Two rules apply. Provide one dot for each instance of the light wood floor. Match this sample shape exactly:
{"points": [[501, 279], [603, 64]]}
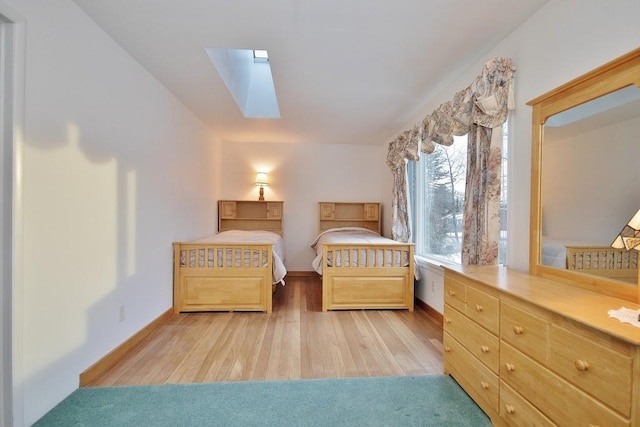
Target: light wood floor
{"points": [[296, 341]]}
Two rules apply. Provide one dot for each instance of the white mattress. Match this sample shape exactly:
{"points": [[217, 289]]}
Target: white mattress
{"points": [[258, 236]]}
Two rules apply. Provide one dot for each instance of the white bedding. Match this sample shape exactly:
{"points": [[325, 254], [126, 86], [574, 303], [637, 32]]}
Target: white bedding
{"points": [[554, 253], [351, 235], [258, 236]]}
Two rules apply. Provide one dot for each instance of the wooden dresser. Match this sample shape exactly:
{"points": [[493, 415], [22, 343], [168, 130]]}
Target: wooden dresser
{"points": [[535, 352]]}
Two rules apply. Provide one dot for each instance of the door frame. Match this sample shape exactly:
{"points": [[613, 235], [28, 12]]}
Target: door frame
{"points": [[12, 79]]}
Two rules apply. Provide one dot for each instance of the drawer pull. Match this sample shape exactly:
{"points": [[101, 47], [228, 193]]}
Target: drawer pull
{"points": [[447, 349], [479, 307], [582, 365], [510, 367], [452, 293], [484, 385], [447, 319], [510, 409], [484, 349], [518, 330]]}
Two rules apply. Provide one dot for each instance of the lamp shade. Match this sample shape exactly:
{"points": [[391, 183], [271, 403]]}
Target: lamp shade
{"points": [[262, 178], [629, 237]]}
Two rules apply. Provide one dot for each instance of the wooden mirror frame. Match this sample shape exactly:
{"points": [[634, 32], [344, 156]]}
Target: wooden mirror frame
{"points": [[621, 72]]}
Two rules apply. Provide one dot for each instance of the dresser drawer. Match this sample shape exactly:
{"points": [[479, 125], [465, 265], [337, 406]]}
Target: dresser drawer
{"points": [[483, 309], [562, 402], [454, 293], [524, 331], [601, 371], [516, 411], [476, 379], [477, 340]]}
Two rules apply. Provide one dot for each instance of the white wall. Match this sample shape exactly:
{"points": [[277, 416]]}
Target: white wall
{"points": [[114, 170], [430, 286], [590, 200], [302, 175]]}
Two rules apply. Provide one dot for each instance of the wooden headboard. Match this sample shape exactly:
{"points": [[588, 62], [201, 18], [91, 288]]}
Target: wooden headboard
{"points": [[349, 214], [250, 215]]}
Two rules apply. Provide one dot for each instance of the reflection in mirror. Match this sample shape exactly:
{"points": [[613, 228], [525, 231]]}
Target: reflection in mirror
{"points": [[584, 179], [589, 184]]}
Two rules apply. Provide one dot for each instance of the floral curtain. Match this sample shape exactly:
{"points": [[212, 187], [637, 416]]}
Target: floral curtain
{"points": [[481, 212], [405, 148], [475, 110]]}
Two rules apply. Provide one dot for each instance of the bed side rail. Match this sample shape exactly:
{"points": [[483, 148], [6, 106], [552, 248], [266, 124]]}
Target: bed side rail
{"points": [[345, 255], [222, 255]]}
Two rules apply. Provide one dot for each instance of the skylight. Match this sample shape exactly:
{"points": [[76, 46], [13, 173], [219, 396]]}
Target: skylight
{"points": [[260, 55], [247, 75]]}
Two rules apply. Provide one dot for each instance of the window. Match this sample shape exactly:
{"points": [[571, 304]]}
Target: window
{"points": [[247, 75], [436, 185], [260, 55]]}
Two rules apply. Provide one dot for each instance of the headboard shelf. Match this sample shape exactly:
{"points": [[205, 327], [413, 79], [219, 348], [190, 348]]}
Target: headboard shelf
{"points": [[250, 215], [350, 214]]}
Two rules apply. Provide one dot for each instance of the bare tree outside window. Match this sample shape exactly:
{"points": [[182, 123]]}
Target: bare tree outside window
{"points": [[444, 176]]}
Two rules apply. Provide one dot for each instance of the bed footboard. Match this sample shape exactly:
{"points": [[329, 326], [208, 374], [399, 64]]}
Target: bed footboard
{"points": [[222, 277], [369, 276], [604, 261]]}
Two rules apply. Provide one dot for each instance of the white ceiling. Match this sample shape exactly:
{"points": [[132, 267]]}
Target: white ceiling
{"points": [[345, 71]]}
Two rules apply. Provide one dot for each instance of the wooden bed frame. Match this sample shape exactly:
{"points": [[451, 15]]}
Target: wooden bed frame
{"points": [[604, 261], [364, 287], [228, 277]]}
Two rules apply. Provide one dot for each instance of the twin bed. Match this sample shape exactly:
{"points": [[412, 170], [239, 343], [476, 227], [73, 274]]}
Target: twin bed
{"points": [[239, 268], [236, 269], [360, 269]]}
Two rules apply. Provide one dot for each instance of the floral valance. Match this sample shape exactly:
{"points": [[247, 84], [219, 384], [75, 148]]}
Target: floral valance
{"points": [[486, 102]]}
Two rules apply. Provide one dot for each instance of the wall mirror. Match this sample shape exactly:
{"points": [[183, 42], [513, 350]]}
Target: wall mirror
{"points": [[585, 179]]}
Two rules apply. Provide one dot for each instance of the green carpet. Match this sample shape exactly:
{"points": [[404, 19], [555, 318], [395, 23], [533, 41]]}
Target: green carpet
{"points": [[382, 401]]}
